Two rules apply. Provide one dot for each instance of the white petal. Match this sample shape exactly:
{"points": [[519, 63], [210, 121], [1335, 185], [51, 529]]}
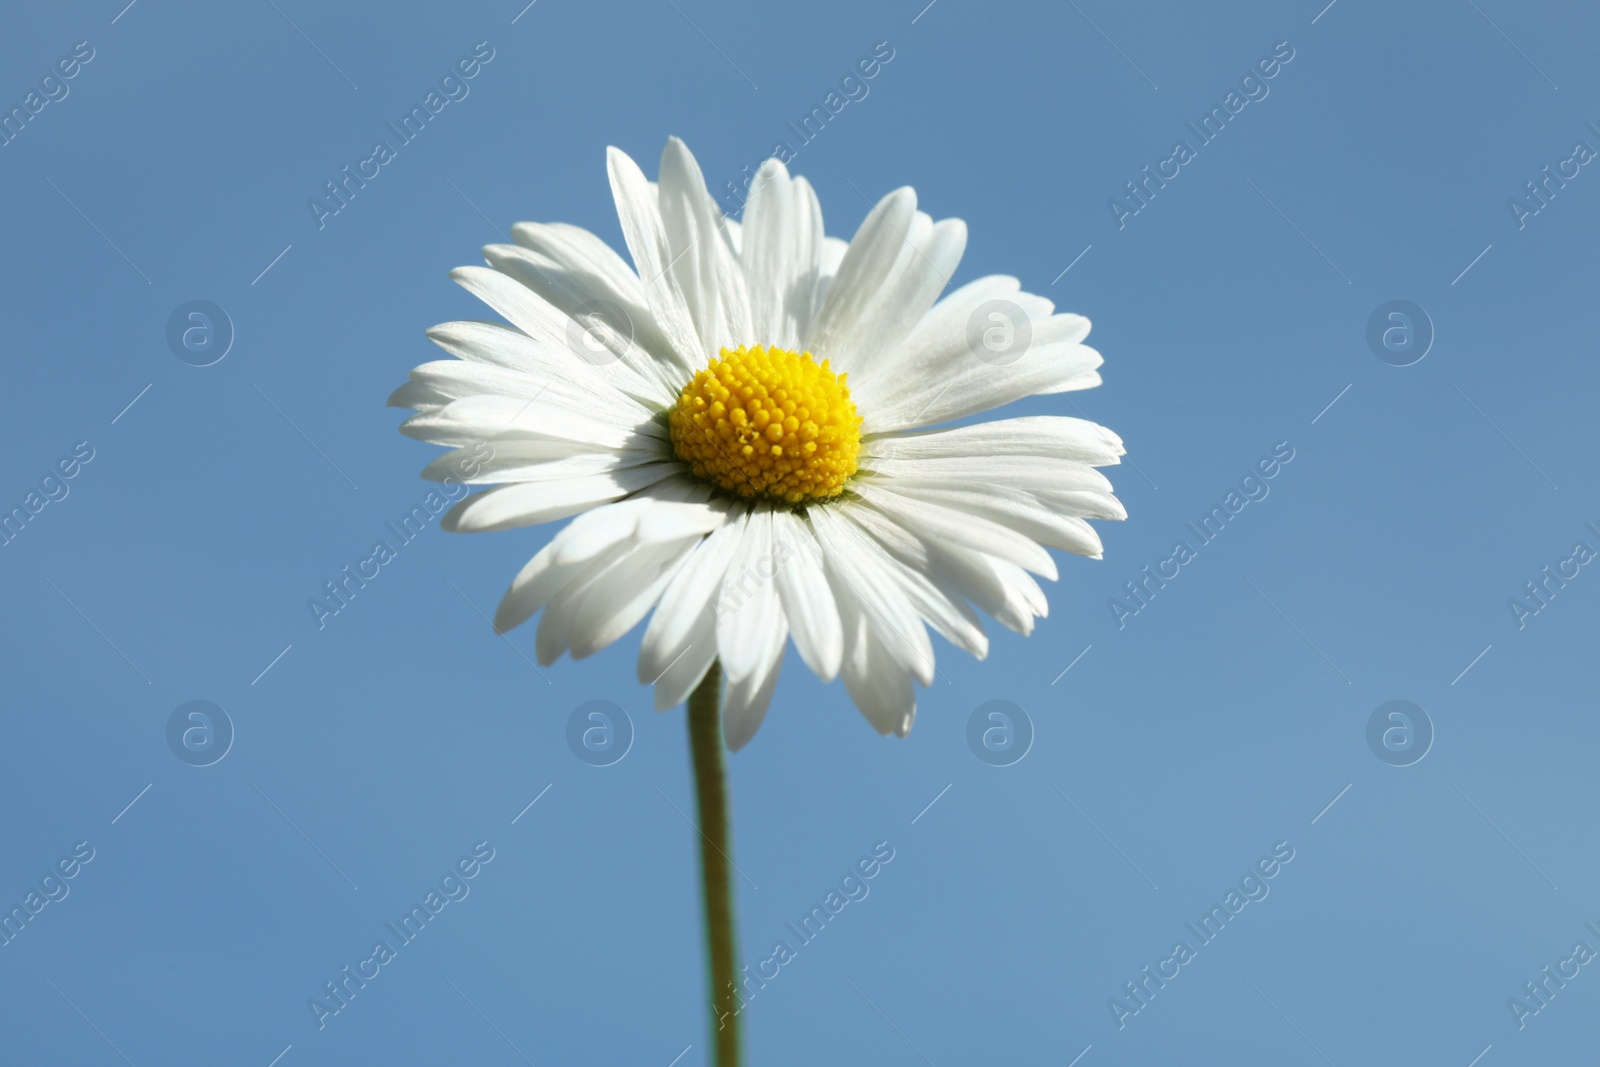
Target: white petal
{"points": [[490, 462], [674, 509], [576, 465], [937, 523], [590, 265], [690, 593], [870, 259], [502, 346], [781, 255], [1017, 472], [876, 590], [880, 687], [938, 604], [418, 397], [456, 379], [833, 250], [1045, 436], [607, 601], [748, 608], [1084, 505], [950, 366], [558, 414], [1059, 486], [671, 510], [928, 257], [1011, 508], [701, 255], [490, 346], [971, 386], [679, 678], [806, 596], [530, 503], [1002, 589], [944, 334], [625, 330], [745, 702], [539, 580], [640, 215], [553, 331]]}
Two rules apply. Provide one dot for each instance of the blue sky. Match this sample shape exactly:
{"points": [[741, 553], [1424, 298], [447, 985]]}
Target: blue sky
{"points": [[1178, 751]]}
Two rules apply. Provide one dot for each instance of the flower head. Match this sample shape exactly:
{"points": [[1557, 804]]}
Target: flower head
{"points": [[740, 423]]}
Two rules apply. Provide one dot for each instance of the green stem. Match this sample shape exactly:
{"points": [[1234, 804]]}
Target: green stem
{"points": [[705, 749]]}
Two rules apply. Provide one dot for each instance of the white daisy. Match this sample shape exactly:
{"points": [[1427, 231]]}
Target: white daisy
{"points": [[739, 423]]}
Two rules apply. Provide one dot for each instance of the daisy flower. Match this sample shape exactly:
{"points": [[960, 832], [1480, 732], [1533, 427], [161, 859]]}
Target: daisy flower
{"points": [[742, 423]]}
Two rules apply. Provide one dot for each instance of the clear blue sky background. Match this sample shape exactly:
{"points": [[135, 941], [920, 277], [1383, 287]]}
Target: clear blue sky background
{"points": [[1177, 751]]}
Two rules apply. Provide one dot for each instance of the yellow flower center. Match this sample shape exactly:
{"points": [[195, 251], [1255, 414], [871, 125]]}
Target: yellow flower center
{"points": [[767, 422]]}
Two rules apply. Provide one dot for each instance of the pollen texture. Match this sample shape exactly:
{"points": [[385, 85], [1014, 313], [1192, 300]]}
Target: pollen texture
{"points": [[767, 423]]}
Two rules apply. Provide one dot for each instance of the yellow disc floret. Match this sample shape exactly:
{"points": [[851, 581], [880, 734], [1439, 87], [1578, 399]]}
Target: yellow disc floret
{"points": [[768, 423]]}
